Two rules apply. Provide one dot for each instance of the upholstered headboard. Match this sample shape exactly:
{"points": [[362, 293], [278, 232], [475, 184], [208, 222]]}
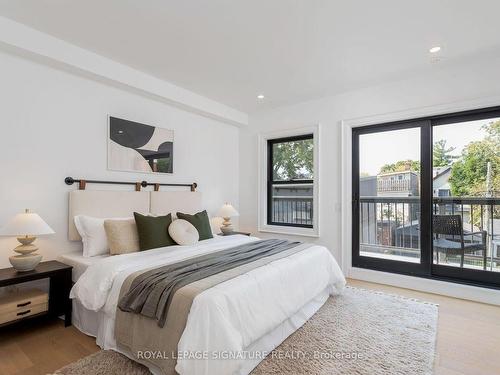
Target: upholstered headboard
{"points": [[106, 203], [164, 202]]}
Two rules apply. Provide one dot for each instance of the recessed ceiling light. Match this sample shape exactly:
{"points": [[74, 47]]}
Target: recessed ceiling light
{"points": [[435, 49], [260, 96]]}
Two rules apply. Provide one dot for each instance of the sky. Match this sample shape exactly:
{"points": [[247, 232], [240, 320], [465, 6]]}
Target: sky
{"points": [[378, 149]]}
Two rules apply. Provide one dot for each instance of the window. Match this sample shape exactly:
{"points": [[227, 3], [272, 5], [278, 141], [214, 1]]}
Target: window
{"points": [[290, 181], [288, 193], [443, 193]]}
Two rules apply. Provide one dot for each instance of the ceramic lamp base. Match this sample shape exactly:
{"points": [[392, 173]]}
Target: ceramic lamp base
{"points": [[227, 230], [226, 226], [27, 262]]}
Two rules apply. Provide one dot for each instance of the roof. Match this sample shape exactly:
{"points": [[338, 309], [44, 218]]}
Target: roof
{"points": [[440, 171]]}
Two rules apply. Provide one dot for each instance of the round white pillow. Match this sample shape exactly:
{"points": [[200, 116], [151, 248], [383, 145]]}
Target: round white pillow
{"points": [[183, 232]]}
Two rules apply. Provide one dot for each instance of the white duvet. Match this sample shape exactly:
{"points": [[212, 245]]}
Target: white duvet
{"points": [[228, 318]]}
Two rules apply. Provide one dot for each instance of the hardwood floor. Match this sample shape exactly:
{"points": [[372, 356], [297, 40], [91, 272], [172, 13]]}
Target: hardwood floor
{"points": [[41, 348], [468, 341]]}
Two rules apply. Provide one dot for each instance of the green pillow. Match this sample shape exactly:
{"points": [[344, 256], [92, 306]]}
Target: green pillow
{"points": [[200, 222], [153, 231]]}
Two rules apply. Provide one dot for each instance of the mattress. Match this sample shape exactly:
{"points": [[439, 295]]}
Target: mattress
{"points": [[79, 262]]}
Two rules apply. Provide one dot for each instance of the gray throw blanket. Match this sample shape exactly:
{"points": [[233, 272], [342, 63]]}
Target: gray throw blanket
{"points": [[151, 292]]}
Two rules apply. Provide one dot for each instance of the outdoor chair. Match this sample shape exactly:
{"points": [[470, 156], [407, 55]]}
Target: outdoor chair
{"points": [[449, 238]]}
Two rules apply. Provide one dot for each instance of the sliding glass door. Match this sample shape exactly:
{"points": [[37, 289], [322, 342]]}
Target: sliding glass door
{"points": [[388, 197], [426, 197]]}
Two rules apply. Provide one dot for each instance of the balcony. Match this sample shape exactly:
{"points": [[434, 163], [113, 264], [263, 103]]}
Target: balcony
{"points": [[389, 229], [397, 185], [292, 204]]}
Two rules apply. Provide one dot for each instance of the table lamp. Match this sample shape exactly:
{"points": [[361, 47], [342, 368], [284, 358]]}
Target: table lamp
{"points": [[227, 211], [25, 226]]}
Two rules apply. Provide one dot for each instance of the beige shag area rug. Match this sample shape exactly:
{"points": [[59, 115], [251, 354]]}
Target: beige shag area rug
{"points": [[361, 332]]}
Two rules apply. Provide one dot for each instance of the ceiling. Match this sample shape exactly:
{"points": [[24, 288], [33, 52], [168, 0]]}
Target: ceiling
{"points": [[289, 50]]}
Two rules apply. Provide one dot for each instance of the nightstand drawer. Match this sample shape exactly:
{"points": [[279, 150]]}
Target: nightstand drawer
{"points": [[23, 312], [22, 301]]}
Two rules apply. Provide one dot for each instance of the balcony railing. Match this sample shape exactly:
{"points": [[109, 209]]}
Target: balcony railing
{"points": [[292, 204], [390, 226], [292, 210], [393, 185]]}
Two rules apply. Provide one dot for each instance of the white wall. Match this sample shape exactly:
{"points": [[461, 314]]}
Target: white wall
{"points": [[54, 124], [474, 80], [55, 52]]}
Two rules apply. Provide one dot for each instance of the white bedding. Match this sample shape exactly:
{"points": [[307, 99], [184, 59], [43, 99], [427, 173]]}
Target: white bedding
{"points": [[79, 263], [227, 318]]}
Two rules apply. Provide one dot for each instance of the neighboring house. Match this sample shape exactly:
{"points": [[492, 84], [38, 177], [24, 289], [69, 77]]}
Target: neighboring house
{"points": [[441, 188], [398, 184], [440, 184], [368, 186], [378, 228], [408, 235], [392, 184]]}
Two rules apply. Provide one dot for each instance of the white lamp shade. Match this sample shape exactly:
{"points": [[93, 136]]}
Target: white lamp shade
{"points": [[228, 211], [27, 223]]}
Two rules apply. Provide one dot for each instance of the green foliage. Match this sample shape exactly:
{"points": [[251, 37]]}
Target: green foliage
{"points": [[293, 160], [400, 166], [468, 175], [493, 131], [441, 156]]}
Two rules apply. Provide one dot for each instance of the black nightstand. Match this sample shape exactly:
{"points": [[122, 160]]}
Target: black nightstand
{"points": [[233, 233], [59, 275]]}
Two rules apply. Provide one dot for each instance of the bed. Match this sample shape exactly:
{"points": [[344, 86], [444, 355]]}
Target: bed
{"points": [[231, 326], [79, 263]]}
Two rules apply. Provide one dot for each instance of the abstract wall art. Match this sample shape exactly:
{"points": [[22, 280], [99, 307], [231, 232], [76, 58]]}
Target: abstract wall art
{"points": [[137, 147]]}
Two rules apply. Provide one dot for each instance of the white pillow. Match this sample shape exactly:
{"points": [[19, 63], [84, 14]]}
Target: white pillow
{"points": [[91, 229], [183, 232]]}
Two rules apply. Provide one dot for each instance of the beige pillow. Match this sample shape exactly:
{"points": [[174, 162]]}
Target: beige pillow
{"points": [[183, 232], [122, 236]]}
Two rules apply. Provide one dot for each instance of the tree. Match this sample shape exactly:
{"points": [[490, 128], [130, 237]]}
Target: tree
{"points": [[401, 166], [468, 175], [441, 156], [493, 131], [293, 160]]}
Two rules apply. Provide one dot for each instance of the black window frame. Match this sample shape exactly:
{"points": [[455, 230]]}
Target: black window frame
{"points": [[270, 180], [426, 268]]}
